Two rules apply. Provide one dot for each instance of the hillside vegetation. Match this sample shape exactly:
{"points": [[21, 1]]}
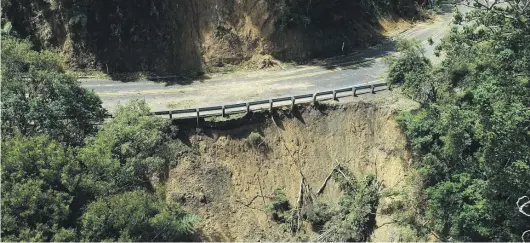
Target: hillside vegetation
{"points": [[64, 178], [470, 139], [454, 167], [166, 36]]}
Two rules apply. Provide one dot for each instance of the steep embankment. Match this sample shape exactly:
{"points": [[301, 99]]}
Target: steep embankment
{"points": [[229, 176], [169, 36]]}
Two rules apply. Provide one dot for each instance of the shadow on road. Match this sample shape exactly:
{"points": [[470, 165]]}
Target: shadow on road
{"points": [[352, 59], [168, 79], [359, 59]]}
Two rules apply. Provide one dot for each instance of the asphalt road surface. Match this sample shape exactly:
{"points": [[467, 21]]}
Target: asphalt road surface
{"points": [[362, 67]]}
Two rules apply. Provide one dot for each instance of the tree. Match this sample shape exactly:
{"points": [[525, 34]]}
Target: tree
{"points": [[472, 143], [410, 71], [38, 97], [102, 191], [38, 179], [355, 218], [128, 151], [58, 182], [134, 216]]}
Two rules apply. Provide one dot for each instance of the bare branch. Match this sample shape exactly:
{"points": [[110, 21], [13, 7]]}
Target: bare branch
{"points": [[326, 180]]}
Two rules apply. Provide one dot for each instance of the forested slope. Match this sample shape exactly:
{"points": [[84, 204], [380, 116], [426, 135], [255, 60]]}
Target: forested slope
{"points": [[66, 179], [471, 138]]}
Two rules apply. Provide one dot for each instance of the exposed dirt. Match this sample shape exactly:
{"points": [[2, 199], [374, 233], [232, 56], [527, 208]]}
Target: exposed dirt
{"points": [[228, 176], [191, 36]]}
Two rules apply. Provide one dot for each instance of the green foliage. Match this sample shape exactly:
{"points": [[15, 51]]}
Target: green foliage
{"points": [[410, 70], [134, 216], [318, 215], [279, 207], [355, 218], [47, 189], [472, 142], [128, 151], [104, 35], [56, 187], [39, 177], [38, 97], [291, 13]]}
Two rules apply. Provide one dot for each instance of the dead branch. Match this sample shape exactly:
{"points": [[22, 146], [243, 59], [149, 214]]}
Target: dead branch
{"points": [[326, 180], [267, 62], [521, 210], [312, 195], [386, 223], [325, 236], [248, 206], [300, 193], [435, 235], [249, 203], [344, 175], [300, 201]]}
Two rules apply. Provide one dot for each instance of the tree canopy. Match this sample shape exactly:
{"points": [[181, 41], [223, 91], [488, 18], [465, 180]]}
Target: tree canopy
{"points": [[127, 151], [38, 181], [63, 179], [471, 138], [134, 216], [38, 97]]}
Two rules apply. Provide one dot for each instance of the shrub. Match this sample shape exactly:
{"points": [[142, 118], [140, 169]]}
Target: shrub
{"points": [[279, 208], [355, 218], [318, 215], [255, 139]]}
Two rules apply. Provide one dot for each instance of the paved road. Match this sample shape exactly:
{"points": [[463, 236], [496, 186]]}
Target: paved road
{"points": [[362, 67]]}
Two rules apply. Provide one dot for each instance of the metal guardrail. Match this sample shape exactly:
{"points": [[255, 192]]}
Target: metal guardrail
{"points": [[224, 110]]}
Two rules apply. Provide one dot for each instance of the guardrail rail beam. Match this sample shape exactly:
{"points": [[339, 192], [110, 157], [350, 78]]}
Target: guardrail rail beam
{"points": [[188, 113]]}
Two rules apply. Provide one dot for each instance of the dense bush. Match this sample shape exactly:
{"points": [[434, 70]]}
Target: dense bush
{"points": [[39, 179], [134, 216], [56, 187], [355, 218], [471, 142], [115, 36], [127, 151], [38, 97]]}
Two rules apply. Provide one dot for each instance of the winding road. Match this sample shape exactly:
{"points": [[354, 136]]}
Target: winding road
{"points": [[362, 67]]}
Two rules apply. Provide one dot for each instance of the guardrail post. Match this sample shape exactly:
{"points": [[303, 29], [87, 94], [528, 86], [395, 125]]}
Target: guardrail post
{"points": [[198, 116], [292, 102], [223, 111], [270, 105], [334, 95], [248, 107], [354, 91], [170, 115], [373, 88], [314, 98]]}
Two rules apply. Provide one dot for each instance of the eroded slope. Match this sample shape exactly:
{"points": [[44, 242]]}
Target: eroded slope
{"points": [[229, 176]]}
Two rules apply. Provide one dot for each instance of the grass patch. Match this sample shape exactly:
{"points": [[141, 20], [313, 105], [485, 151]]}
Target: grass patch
{"points": [[181, 104]]}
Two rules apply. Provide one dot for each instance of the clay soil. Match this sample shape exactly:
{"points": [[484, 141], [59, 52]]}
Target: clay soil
{"points": [[229, 175]]}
